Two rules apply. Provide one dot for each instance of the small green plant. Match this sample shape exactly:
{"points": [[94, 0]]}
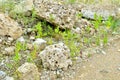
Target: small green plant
{"points": [[39, 30], [7, 5], [17, 50]]}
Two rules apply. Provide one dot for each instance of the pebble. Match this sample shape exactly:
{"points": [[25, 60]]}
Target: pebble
{"points": [[119, 68], [21, 39], [0, 40], [9, 50], [39, 41], [118, 50], [2, 75]]}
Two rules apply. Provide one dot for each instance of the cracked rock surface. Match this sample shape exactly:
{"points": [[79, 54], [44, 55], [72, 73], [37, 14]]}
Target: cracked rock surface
{"points": [[56, 57]]}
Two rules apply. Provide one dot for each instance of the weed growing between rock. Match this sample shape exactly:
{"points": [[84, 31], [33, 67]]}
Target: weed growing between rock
{"points": [[53, 34]]}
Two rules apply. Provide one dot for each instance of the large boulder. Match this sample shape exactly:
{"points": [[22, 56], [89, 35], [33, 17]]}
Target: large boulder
{"points": [[9, 27], [28, 71], [56, 56], [55, 13]]}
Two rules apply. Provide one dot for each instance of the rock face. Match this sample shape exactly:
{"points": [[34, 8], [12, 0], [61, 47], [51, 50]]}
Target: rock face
{"points": [[56, 57], [29, 71], [9, 27], [58, 14], [100, 10]]}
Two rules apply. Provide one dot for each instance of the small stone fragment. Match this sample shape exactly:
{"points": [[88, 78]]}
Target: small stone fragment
{"points": [[21, 39], [9, 50], [40, 43]]}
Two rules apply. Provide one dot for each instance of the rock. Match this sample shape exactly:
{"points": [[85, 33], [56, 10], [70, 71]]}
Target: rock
{"points": [[9, 50], [3, 76], [60, 15], [81, 25], [23, 6], [9, 27], [9, 78], [28, 71], [56, 56], [10, 39], [21, 39], [0, 40], [40, 43], [100, 10]]}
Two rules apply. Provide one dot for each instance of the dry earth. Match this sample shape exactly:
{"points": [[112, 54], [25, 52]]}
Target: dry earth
{"points": [[100, 66]]}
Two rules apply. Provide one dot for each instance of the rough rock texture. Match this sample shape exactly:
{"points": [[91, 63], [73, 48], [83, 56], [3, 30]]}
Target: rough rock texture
{"points": [[9, 27], [29, 71], [56, 57], [100, 10], [58, 14]]}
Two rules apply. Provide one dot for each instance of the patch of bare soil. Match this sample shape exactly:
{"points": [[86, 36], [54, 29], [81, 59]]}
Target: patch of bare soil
{"points": [[101, 66]]}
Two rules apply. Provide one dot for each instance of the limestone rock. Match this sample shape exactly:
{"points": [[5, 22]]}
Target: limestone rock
{"points": [[100, 10], [29, 71], [9, 27], [57, 14], [56, 56]]}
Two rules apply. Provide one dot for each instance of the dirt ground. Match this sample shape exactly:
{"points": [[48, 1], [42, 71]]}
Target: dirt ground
{"points": [[101, 66]]}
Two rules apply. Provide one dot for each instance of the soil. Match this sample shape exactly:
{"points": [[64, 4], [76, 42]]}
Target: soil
{"points": [[101, 66]]}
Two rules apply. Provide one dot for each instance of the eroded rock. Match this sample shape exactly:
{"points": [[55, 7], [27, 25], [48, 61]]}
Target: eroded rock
{"points": [[29, 71], [9, 27], [58, 14], [56, 56]]}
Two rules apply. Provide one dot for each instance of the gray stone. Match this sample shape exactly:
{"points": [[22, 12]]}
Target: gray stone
{"points": [[56, 56], [40, 43], [21, 39], [28, 71], [100, 10], [2, 75]]}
